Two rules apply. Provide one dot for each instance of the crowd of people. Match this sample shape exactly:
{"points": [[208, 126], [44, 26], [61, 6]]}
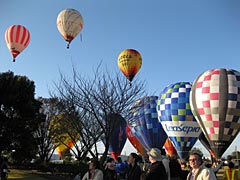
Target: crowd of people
{"points": [[158, 166]]}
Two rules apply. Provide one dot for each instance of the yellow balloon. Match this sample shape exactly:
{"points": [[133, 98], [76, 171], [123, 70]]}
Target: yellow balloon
{"points": [[129, 62], [65, 142], [61, 138]]}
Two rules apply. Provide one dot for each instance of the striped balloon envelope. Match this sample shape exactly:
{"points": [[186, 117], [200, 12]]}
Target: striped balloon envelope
{"points": [[69, 24], [215, 101], [142, 119], [17, 38], [176, 117]]}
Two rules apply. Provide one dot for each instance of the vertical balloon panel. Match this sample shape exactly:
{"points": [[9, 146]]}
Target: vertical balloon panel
{"points": [[135, 142], [215, 100], [176, 117], [144, 123], [170, 148]]}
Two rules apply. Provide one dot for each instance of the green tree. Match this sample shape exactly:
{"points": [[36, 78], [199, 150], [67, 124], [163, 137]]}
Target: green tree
{"points": [[19, 113]]}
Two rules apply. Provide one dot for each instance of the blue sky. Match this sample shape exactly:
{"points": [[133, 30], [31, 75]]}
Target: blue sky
{"points": [[178, 40]]}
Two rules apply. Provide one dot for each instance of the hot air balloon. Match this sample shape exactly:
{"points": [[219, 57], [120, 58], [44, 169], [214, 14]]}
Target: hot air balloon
{"points": [[134, 141], [129, 62], [216, 106], [176, 117], [17, 38], [142, 119], [170, 148], [118, 135], [69, 24], [62, 143], [63, 135]]}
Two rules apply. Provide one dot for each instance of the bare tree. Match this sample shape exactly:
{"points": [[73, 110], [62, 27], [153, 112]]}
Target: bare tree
{"points": [[96, 98], [42, 136]]}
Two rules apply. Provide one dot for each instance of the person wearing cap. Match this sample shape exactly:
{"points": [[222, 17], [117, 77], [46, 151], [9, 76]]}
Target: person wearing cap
{"points": [[199, 170], [156, 170]]}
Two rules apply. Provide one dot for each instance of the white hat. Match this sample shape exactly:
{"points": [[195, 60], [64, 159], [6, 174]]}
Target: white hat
{"points": [[155, 153]]}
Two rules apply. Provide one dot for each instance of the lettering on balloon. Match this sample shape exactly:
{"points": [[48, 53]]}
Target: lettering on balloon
{"points": [[125, 56], [184, 128], [180, 128]]}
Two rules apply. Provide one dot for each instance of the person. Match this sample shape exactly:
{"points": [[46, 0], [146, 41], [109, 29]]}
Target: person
{"points": [[230, 173], [214, 169], [156, 170], [134, 171], [94, 172], [175, 168], [120, 168], [198, 170], [4, 168], [185, 169], [77, 177], [165, 162], [110, 173]]}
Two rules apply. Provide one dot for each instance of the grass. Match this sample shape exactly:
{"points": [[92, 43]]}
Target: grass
{"points": [[16, 174]]}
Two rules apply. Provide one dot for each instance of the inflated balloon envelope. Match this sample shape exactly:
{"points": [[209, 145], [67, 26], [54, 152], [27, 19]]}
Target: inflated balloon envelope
{"points": [[215, 101], [142, 119], [17, 38], [176, 117], [118, 135], [129, 62], [69, 24]]}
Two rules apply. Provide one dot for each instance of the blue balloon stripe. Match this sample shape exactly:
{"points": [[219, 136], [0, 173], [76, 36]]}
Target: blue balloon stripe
{"points": [[153, 134]]}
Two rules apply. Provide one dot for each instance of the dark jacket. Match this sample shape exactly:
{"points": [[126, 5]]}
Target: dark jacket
{"points": [[156, 171], [110, 174], [134, 172], [175, 169]]}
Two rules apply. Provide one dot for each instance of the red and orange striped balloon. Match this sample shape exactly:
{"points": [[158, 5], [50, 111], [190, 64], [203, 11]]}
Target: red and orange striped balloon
{"points": [[17, 38]]}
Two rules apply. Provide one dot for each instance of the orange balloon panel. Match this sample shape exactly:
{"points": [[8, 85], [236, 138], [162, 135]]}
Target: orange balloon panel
{"points": [[134, 141], [170, 148], [129, 62], [17, 38]]}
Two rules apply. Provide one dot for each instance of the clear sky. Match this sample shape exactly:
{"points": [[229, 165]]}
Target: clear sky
{"points": [[178, 40]]}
